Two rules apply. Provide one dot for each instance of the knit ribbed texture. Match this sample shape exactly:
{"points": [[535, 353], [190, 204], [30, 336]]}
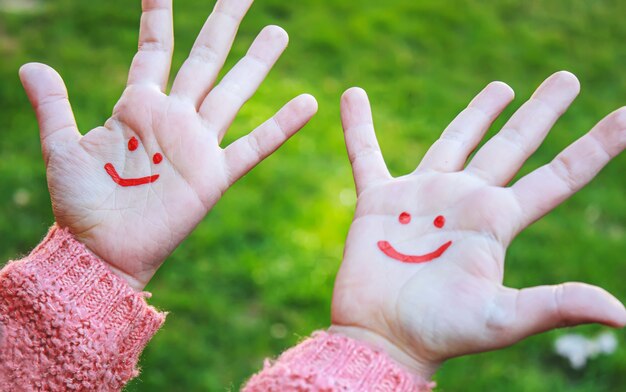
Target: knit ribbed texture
{"points": [[331, 362], [68, 323]]}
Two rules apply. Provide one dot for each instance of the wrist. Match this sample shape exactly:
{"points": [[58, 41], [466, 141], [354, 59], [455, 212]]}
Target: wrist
{"points": [[332, 361], [133, 280], [418, 367], [136, 284]]}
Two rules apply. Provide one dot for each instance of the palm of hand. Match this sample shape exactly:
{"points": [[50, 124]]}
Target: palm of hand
{"points": [[125, 224], [454, 303], [133, 189], [462, 281], [467, 279]]}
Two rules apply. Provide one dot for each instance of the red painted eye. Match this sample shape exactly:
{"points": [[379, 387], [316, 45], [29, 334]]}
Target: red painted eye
{"points": [[404, 218], [439, 221], [157, 158], [133, 144]]}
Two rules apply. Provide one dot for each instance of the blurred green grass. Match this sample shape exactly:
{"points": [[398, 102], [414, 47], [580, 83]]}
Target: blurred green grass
{"points": [[257, 274]]}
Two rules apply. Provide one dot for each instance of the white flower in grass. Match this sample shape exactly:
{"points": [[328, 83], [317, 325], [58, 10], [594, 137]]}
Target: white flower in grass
{"points": [[21, 197], [578, 348]]}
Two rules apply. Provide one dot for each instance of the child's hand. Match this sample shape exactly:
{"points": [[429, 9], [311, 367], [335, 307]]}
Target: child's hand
{"points": [[424, 260], [133, 189]]}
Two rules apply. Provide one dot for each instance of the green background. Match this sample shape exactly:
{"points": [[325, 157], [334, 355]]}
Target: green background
{"points": [[257, 274]]}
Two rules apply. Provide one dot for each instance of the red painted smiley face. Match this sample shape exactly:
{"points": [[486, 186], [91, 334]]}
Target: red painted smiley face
{"points": [[133, 144], [405, 219]]}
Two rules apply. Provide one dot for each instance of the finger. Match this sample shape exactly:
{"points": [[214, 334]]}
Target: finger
{"points": [[547, 187], [501, 157], [48, 95], [224, 102], [152, 62], [461, 137], [368, 165], [538, 309], [245, 153], [197, 75]]}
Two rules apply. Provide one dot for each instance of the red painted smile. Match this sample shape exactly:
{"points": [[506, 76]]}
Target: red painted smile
{"points": [[405, 219], [110, 169], [133, 145], [394, 254]]}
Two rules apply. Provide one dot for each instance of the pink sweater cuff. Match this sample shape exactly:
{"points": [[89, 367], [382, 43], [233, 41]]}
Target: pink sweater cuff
{"points": [[331, 362], [67, 322]]}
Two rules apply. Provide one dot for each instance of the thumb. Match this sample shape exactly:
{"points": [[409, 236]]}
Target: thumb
{"points": [[48, 95], [542, 308]]}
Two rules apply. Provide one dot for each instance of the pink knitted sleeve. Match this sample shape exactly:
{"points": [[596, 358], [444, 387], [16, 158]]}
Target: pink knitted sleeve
{"points": [[68, 323], [329, 362]]}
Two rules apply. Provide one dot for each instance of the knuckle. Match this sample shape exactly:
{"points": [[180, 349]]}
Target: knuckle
{"points": [[155, 46], [563, 168], [557, 297], [204, 53], [254, 144]]}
